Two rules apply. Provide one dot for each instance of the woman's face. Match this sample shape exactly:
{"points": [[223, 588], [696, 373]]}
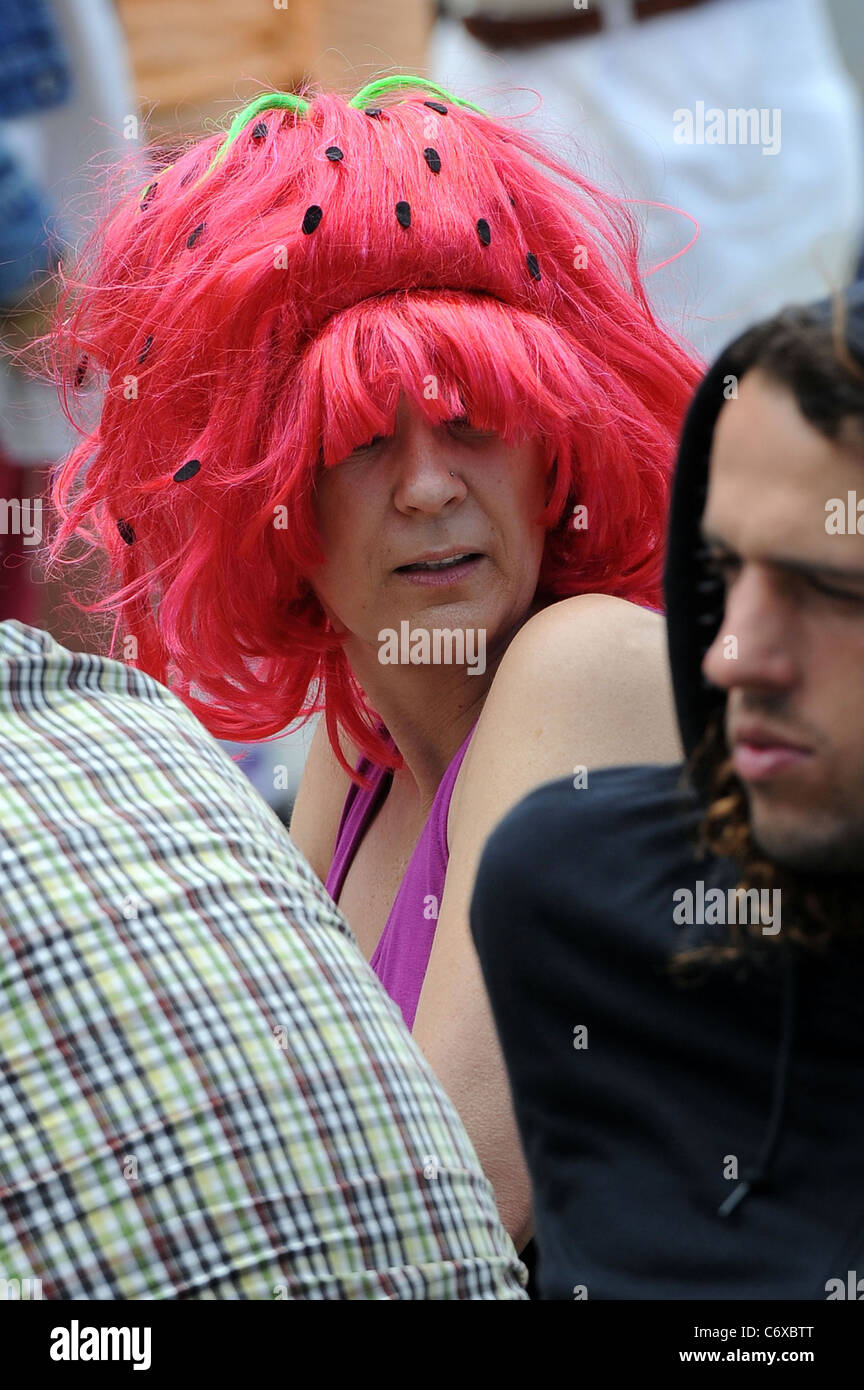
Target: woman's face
{"points": [[393, 503]]}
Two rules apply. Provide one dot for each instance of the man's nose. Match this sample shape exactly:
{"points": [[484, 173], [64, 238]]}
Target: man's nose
{"points": [[753, 647]]}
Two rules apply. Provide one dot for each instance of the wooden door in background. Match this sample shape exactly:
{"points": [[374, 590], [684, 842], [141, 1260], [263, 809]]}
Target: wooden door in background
{"points": [[200, 60]]}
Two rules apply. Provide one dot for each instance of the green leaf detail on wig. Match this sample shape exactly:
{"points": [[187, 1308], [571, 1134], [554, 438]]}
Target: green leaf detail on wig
{"points": [[270, 101]]}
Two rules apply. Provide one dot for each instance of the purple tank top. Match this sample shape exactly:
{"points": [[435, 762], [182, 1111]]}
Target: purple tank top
{"points": [[402, 954]]}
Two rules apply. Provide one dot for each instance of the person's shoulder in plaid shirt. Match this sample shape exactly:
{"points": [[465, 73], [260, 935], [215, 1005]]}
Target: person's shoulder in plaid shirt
{"points": [[205, 1091]]}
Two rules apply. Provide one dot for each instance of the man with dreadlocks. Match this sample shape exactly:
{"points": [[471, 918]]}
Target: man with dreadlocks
{"points": [[677, 982], [383, 368]]}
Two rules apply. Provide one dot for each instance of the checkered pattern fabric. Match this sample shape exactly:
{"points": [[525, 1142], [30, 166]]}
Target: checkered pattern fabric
{"points": [[204, 1090]]}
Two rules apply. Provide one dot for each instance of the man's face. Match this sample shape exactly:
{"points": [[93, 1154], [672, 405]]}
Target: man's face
{"points": [[395, 503], [790, 648]]}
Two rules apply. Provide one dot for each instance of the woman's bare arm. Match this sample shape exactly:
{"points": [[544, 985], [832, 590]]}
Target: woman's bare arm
{"points": [[584, 683]]}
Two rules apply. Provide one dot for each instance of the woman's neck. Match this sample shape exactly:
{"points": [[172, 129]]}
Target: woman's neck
{"points": [[429, 710], [427, 731]]}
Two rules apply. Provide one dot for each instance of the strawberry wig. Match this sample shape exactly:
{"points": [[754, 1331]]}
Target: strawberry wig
{"points": [[254, 314]]}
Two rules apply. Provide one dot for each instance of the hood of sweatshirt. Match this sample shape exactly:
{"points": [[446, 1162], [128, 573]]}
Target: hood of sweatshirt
{"points": [[694, 597]]}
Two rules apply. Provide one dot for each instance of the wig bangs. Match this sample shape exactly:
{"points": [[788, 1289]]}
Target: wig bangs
{"points": [[450, 353]]}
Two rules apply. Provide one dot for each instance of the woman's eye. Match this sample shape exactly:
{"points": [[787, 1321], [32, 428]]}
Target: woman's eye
{"points": [[463, 425], [361, 448], [460, 425]]}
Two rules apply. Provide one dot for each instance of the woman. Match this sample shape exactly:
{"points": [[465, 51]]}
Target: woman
{"points": [[343, 344]]}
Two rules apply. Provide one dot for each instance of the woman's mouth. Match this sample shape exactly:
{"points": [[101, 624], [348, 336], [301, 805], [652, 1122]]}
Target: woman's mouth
{"points": [[449, 570]]}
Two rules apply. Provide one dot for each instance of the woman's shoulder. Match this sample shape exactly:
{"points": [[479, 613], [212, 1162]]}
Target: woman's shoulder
{"points": [[603, 616], [582, 646], [584, 683]]}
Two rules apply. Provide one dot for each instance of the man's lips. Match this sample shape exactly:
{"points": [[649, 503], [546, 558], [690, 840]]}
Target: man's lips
{"points": [[758, 755]]}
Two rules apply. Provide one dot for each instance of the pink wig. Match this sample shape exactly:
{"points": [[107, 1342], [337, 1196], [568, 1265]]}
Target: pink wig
{"points": [[255, 314]]}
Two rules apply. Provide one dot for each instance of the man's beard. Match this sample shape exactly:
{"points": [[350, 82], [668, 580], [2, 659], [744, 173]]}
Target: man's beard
{"points": [[834, 847]]}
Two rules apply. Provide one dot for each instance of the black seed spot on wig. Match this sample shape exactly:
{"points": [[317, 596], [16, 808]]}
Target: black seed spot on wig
{"points": [[194, 235], [403, 214], [533, 267], [311, 218], [483, 231], [433, 159], [126, 532], [187, 471]]}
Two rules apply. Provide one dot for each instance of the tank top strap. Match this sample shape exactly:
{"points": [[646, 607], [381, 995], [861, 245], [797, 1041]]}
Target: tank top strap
{"points": [[360, 806]]}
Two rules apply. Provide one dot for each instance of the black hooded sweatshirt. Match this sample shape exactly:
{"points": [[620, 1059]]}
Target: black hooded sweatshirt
{"points": [[700, 1142]]}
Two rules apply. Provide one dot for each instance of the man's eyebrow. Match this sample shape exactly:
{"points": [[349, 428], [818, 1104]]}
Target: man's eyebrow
{"points": [[786, 562]]}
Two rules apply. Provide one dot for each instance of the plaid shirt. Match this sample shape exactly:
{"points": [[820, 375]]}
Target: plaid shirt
{"points": [[204, 1090]]}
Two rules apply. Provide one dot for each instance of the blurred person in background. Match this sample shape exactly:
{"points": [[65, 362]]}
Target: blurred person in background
{"points": [[68, 87], [66, 108], [737, 112]]}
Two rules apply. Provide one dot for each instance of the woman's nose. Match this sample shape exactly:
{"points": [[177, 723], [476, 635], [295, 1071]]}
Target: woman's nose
{"points": [[427, 476]]}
